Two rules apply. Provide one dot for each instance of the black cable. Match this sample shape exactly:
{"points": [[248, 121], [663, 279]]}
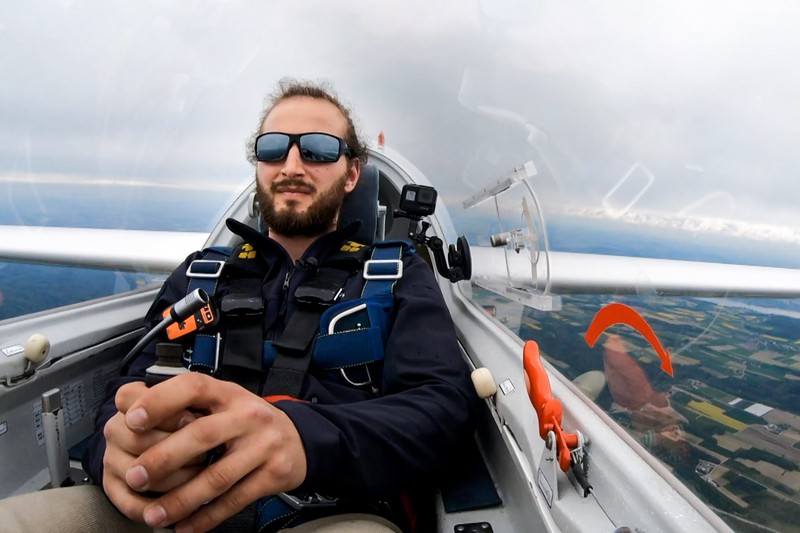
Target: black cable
{"points": [[180, 311]]}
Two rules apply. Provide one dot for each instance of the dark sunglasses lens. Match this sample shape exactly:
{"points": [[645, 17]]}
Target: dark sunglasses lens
{"points": [[319, 148], [272, 147]]}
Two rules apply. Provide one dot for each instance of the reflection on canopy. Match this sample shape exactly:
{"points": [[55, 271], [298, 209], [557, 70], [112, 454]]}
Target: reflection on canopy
{"points": [[659, 129]]}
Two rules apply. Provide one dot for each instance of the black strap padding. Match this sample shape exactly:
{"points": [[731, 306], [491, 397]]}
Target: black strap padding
{"points": [[299, 332], [243, 333], [293, 357]]}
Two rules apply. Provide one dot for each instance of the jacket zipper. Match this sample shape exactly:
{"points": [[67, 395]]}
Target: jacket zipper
{"points": [[285, 292]]}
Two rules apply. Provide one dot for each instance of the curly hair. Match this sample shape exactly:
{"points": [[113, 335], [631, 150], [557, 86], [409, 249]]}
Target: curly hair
{"points": [[290, 88]]}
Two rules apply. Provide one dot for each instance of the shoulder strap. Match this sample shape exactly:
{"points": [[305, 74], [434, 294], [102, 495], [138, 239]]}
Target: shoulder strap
{"points": [[204, 273], [384, 267]]}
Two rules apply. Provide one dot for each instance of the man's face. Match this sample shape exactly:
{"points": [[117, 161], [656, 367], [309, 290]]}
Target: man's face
{"points": [[299, 197]]}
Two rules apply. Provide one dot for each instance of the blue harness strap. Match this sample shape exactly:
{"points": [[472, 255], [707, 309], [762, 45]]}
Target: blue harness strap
{"points": [[385, 267], [273, 513], [205, 273]]}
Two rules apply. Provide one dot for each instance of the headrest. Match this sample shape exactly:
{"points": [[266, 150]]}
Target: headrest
{"points": [[362, 204]]}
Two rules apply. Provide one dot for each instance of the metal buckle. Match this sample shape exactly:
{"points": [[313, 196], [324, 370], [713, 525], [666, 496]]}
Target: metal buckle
{"points": [[308, 501], [369, 381], [397, 275], [211, 275]]}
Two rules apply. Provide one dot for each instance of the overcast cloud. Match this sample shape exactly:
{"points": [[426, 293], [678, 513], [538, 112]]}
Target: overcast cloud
{"points": [[701, 98]]}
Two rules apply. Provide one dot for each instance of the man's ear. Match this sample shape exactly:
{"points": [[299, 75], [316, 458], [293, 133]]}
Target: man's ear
{"points": [[353, 173]]}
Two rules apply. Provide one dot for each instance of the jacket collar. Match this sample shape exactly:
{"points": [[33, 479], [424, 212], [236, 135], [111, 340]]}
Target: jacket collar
{"points": [[320, 248]]}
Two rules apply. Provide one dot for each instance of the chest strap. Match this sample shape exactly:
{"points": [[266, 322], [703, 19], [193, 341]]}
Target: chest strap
{"points": [[294, 346]]}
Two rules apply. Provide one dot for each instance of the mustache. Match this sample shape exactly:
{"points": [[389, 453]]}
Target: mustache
{"points": [[292, 184]]}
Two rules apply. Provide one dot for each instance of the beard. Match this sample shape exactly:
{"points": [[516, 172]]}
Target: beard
{"points": [[319, 218]]}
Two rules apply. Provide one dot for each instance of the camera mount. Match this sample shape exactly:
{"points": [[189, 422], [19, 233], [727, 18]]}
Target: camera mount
{"points": [[417, 201]]}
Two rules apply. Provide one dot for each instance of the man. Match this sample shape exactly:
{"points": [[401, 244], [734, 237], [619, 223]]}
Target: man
{"points": [[196, 450]]}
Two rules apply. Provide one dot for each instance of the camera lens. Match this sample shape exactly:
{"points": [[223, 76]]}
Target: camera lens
{"points": [[426, 197]]}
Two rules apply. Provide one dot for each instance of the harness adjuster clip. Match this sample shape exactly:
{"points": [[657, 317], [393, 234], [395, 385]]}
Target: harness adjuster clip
{"points": [[308, 501], [205, 268], [382, 269], [232, 304], [321, 296]]}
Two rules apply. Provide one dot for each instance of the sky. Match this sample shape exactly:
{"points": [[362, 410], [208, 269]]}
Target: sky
{"points": [[648, 112]]}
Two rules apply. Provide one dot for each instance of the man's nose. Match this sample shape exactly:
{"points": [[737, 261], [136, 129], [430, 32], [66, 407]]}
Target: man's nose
{"points": [[293, 164]]}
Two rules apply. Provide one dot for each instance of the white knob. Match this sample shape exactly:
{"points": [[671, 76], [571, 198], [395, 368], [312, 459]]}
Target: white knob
{"points": [[484, 382], [37, 348]]}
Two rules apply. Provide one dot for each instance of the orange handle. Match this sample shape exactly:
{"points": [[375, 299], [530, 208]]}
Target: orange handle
{"points": [[548, 409]]}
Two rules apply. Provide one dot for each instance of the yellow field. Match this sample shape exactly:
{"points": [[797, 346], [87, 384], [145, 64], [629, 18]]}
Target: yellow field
{"points": [[716, 414], [683, 360]]}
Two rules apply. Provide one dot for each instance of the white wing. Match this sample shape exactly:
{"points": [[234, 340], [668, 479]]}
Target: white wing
{"points": [[131, 250]]}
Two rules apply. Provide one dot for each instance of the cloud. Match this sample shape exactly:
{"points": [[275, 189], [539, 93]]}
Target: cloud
{"points": [[168, 91]]}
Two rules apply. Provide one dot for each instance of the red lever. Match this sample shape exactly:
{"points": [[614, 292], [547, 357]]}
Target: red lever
{"points": [[548, 409]]}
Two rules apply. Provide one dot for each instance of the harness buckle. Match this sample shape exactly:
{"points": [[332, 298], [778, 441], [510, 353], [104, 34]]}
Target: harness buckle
{"points": [[205, 268], [383, 269], [308, 501]]}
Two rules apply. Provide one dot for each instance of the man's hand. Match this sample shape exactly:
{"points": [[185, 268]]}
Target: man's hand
{"points": [[263, 451], [123, 446]]}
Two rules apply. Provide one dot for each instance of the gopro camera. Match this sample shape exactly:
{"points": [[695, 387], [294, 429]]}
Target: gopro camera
{"points": [[418, 200]]}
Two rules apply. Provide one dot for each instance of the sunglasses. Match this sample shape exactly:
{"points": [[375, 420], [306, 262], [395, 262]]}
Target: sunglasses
{"points": [[272, 147]]}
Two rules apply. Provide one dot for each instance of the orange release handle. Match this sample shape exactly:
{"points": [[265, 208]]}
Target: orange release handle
{"points": [[548, 409]]}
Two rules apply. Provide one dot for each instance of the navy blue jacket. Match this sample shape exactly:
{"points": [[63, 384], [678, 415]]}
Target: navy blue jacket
{"points": [[358, 443]]}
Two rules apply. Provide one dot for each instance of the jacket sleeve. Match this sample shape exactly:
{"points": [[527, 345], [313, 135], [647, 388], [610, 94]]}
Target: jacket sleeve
{"points": [[173, 290], [411, 433]]}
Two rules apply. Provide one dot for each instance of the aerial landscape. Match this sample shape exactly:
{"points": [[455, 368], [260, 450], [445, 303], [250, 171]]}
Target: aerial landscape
{"points": [[727, 424]]}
